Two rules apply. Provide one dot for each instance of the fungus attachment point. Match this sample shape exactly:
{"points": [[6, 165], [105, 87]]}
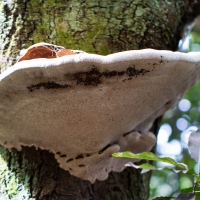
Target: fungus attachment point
{"points": [[84, 107], [45, 50]]}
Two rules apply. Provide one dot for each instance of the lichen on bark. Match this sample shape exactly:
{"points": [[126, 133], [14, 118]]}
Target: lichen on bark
{"points": [[97, 26], [14, 180]]}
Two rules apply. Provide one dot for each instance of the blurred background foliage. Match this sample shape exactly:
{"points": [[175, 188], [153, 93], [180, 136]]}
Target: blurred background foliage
{"points": [[176, 127]]}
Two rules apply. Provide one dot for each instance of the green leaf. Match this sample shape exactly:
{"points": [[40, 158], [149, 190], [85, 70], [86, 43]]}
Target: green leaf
{"points": [[146, 167], [197, 196], [196, 190], [187, 190], [150, 156], [191, 172], [198, 179], [195, 37]]}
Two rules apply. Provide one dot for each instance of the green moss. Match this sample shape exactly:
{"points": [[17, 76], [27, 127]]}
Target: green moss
{"points": [[97, 26]]}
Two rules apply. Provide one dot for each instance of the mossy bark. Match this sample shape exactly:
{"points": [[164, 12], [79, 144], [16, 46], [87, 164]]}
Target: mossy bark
{"points": [[96, 26]]}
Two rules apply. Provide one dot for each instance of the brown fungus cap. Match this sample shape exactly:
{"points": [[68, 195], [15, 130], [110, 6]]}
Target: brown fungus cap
{"points": [[45, 50], [84, 107]]}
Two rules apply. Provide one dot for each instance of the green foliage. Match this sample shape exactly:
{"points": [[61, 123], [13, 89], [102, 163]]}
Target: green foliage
{"points": [[168, 182], [198, 179], [187, 193], [150, 156]]}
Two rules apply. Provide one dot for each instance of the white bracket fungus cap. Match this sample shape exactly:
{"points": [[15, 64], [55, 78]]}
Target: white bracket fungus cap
{"points": [[84, 107]]}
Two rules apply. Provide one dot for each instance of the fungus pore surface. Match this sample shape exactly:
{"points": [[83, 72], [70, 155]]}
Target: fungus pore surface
{"points": [[84, 107]]}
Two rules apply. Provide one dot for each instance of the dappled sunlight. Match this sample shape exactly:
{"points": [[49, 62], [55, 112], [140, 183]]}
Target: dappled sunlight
{"points": [[182, 124], [184, 105], [164, 134], [172, 148]]}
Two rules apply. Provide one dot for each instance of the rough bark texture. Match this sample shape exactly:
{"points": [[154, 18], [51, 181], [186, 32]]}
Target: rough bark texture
{"points": [[97, 26]]}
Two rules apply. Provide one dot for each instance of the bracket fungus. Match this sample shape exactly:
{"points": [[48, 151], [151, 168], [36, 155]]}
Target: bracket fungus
{"points": [[84, 107]]}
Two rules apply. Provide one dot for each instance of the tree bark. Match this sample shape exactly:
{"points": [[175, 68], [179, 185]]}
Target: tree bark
{"points": [[98, 26]]}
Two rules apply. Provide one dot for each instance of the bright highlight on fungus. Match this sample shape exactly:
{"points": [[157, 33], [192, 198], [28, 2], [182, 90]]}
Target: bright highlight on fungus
{"points": [[84, 107]]}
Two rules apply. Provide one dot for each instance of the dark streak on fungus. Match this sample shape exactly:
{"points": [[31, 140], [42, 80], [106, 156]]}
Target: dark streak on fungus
{"points": [[47, 85], [64, 155], [88, 78], [102, 150], [132, 72], [79, 156], [161, 61], [93, 77], [125, 134], [69, 160], [81, 165]]}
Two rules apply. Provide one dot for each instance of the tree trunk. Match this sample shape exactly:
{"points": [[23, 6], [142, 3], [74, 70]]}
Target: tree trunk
{"points": [[97, 26]]}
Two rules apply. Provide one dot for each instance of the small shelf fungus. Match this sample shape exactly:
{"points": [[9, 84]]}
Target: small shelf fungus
{"points": [[84, 107]]}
